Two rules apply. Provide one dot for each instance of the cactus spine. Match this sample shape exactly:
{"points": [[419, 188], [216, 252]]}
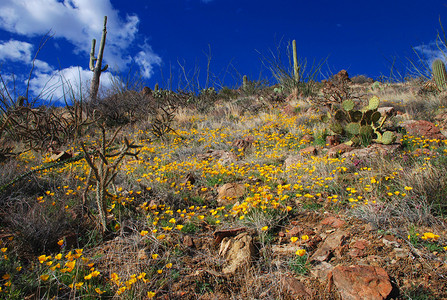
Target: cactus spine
{"points": [[296, 68], [96, 63], [440, 74]]}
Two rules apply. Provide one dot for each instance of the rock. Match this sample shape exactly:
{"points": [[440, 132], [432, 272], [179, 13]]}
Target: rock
{"points": [[307, 138], [333, 222], [361, 282], [322, 270], [229, 192], [356, 248], [295, 287], [329, 245], [295, 231], [288, 249], [293, 160], [238, 252], [244, 143], [189, 178], [222, 157], [60, 156], [311, 150], [422, 128], [400, 253], [341, 76], [188, 241], [227, 158], [142, 254], [220, 234], [145, 91], [339, 150], [333, 140], [387, 111], [372, 151]]}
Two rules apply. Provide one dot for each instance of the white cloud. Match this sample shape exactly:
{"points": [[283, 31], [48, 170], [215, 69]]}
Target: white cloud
{"points": [[68, 82], [146, 59], [16, 51], [431, 51], [77, 21]]}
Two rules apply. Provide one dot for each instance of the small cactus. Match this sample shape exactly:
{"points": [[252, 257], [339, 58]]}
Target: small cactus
{"points": [[245, 82], [440, 74]]}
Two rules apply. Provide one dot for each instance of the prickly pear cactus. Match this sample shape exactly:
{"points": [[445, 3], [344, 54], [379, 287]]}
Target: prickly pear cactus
{"points": [[360, 126]]}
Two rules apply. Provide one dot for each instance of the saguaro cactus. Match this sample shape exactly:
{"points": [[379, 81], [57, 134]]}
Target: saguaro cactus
{"points": [[440, 74], [296, 67], [244, 82], [96, 63]]}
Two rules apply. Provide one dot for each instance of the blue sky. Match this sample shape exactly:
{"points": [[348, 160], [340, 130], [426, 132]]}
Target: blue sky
{"points": [[160, 37]]}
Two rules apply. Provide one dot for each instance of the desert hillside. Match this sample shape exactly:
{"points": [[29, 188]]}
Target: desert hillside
{"points": [[321, 190]]}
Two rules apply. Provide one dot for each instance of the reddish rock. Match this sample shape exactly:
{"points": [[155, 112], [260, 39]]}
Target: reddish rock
{"points": [[422, 128], [339, 150], [357, 248], [374, 150], [295, 287], [311, 150], [333, 140], [244, 143], [341, 76], [288, 109], [330, 244], [295, 231], [361, 282], [145, 91], [188, 241], [333, 222], [307, 138]]}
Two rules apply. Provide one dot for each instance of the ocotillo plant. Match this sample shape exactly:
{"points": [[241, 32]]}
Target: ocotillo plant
{"points": [[439, 74], [296, 67], [96, 63], [105, 171]]}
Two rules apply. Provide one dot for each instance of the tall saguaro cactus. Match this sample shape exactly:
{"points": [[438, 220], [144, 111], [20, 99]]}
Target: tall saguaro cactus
{"points": [[296, 67], [440, 74], [96, 63]]}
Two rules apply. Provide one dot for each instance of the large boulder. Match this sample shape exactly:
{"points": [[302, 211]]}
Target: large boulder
{"points": [[361, 282], [238, 252], [422, 128], [230, 192]]}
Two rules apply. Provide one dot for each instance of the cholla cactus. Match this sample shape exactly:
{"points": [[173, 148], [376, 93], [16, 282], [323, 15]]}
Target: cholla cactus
{"points": [[440, 74]]}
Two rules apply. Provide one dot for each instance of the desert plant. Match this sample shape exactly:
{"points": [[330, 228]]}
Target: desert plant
{"points": [[296, 75], [360, 125], [103, 170], [96, 63], [440, 74]]}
